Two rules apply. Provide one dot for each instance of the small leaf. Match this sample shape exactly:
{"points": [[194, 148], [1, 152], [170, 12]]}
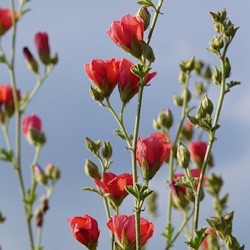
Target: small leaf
{"points": [[6, 155], [91, 189], [199, 236], [169, 231]]}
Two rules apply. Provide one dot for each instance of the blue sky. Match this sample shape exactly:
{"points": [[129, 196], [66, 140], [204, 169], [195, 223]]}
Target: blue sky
{"points": [[78, 32]]}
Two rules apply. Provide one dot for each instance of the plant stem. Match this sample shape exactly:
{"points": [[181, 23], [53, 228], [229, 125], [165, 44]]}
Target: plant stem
{"points": [[157, 12], [211, 139], [134, 162], [172, 155]]}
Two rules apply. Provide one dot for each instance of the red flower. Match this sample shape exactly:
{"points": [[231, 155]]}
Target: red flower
{"points": [[114, 186], [151, 153], [6, 20], [103, 74], [42, 46], [128, 82], [32, 129], [128, 34], [7, 100], [85, 230], [197, 151], [123, 227]]}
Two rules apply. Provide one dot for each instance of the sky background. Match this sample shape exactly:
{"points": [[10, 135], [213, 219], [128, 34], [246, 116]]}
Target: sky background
{"points": [[78, 32]]}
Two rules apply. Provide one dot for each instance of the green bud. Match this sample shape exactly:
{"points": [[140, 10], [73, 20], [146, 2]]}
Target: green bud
{"points": [[199, 88], [217, 76], [216, 44], [186, 94], [92, 170], [95, 94], [227, 67], [39, 175], [156, 125], [178, 101], [144, 14], [214, 184], [183, 156], [165, 119], [148, 52], [200, 114], [107, 150], [198, 66], [187, 66], [52, 172], [93, 146], [207, 73], [182, 77], [207, 105]]}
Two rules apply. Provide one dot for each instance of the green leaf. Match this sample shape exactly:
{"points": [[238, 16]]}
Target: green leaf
{"points": [[199, 236], [147, 3], [6, 155], [169, 231], [119, 133], [91, 189]]}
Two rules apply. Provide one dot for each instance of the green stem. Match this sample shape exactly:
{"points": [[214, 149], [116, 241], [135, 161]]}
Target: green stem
{"points": [[11, 67], [134, 162], [172, 155], [119, 121], [39, 83], [212, 138], [154, 21], [184, 223]]}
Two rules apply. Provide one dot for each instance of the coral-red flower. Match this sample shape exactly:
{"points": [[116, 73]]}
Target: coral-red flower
{"points": [[128, 34], [123, 227], [103, 74], [197, 151], [114, 186], [128, 82], [42, 46], [7, 100], [6, 16], [151, 153], [85, 230]]}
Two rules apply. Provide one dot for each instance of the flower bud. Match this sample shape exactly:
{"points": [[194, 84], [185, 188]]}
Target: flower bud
{"points": [[107, 150], [207, 105], [200, 114], [199, 89], [165, 119], [43, 48], [182, 77], [148, 52], [227, 67], [178, 101], [92, 170], [217, 76], [39, 175], [31, 61], [198, 66], [52, 172], [216, 44], [95, 94], [93, 146], [187, 131], [187, 66], [44, 204], [144, 14], [186, 94], [38, 217], [183, 156]]}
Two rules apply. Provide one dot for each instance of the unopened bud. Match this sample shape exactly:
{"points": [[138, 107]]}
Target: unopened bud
{"points": [[144, 14], [178, 101], [182, 77], [165, 119], [200, 114], [217, 76], [38, 217], [93, 146], [31, 61], [187, 66], [199, 89], [39, 175], [44, 204], [183, 156], [187, 131], [92, 170], [198, 67], [107, 150], [186, 94], [227, 67], [52, 172], [95, 94], [148, 52], [207, 105]]}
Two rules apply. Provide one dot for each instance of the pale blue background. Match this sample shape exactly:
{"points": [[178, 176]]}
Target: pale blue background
{"points": [[77, 32]]}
